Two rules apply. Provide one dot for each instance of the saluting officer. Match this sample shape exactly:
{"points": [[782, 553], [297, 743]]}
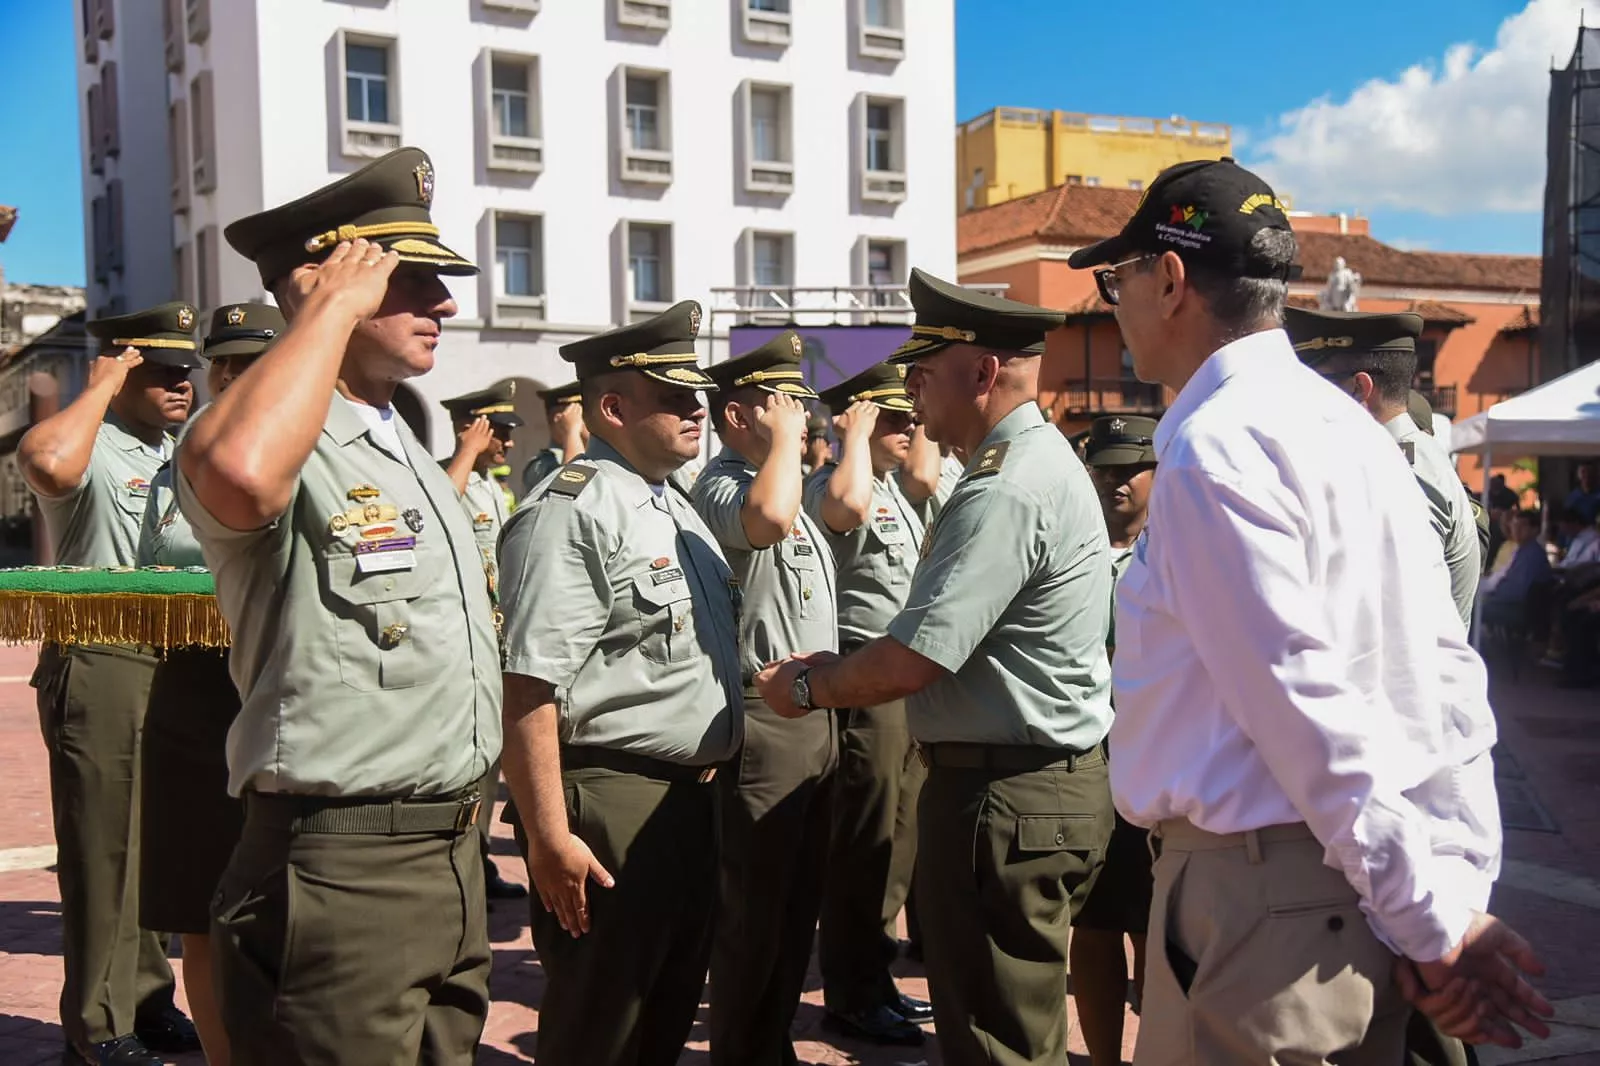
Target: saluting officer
{"points": [[189, 824], [350, 924], [875, 533], [90, 467], [483, 422], [563, 411], [622, 696], [1000, 652], [775, 807], [1373, 357]]}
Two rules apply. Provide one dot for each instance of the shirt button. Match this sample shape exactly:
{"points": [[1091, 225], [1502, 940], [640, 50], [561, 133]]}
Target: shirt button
{"points": [[388, 585], [1335, 923], [1061, 838], [805, 594]]}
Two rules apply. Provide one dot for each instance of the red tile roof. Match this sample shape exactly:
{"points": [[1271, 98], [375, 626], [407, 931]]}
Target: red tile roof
{"points": [[1527, 321], [1437, 314], [1081, 214]]}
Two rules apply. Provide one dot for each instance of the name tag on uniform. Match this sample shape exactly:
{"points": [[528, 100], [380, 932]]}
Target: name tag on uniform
{"points": [[661, 577], [384, 562], [803, 549]]}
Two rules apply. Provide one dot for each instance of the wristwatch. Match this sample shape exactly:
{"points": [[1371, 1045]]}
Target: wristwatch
{"points": [[800, 690]]}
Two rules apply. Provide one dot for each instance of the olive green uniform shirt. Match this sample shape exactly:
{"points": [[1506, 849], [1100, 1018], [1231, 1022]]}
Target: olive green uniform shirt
{"points": [[165, 536], [1013, 598], [97, 523], [1449, 510], [485, 501], [788, 589], [363, 638], [544, 463], [950, 471], [875, 560], [615, 593], [1120, 557]]}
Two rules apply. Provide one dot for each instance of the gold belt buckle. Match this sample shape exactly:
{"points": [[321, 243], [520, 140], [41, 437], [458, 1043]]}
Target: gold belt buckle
{"points": [[471, 811], [707, 775]]}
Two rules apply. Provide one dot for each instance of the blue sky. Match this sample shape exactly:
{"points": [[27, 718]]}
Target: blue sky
{"points": [[1426, 115]]}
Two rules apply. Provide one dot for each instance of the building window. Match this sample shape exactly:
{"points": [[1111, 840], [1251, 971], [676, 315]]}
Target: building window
{"points": [[105, 19], [206, 283], [111, 118], [767, 21], [882, 29], [768, 268], [1074, 179], [882, 267], [182, 284], [91, 34], [518, 253], [1136, 185], [102, 239], [883, 176], [114, 224], [645, 14], [649, 264], [1091, 181], [199, 12], [178, 153], [172, 24], [514, 135], [371, 116], [202, 118], [645, 126], [95, 119], [521, 7], [769, 152]]}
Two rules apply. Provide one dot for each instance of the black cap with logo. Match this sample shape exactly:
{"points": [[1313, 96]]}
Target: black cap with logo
{"points": [[1207, 211]]}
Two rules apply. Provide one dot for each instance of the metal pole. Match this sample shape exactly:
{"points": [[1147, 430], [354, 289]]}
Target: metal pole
{"points": [[1477, 599], [44, 400]]}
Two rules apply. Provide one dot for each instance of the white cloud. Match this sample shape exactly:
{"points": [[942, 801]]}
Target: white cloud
{"points": [[1463, 134]]}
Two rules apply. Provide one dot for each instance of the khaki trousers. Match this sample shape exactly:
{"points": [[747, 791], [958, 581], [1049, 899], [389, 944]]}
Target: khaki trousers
{"points": [[91, 707], [1259, 953]]}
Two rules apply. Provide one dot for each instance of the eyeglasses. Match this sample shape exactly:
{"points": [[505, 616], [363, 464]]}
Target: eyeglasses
{"points": [[1107, 281]]}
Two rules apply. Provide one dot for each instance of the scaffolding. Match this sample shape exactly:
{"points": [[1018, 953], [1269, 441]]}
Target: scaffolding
{"points": [[1570, 288]]}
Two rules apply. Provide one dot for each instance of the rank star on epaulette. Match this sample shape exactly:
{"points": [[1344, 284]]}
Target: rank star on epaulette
{"points": [[990, 459]]}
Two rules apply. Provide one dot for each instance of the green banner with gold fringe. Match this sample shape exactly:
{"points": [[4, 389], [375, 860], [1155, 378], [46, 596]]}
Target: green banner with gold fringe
{"points": [[159, 606]]}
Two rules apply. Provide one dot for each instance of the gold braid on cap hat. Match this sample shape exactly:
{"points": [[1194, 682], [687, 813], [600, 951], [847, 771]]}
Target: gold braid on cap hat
{"points": [[883, 392], [494, 409], [647, 359], [151, 342], [949, 333], [377, 229], [755, 377]]}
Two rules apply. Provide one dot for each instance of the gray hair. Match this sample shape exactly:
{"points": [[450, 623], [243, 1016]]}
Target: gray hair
{"points": [[1244, 305]]}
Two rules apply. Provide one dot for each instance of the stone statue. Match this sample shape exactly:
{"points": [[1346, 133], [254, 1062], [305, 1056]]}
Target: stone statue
{"points": [[1344, 288]]}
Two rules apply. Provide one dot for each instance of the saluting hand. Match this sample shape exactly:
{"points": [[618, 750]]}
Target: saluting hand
{"points": [[782, 418], [475, 437], [857, 422], [113, 369], [355, 275], [560, 873]]}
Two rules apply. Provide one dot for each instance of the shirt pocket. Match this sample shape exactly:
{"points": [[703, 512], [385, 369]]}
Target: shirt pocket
{"points": [[666, 618], [373, 624], [889, 554], [801, 568]]}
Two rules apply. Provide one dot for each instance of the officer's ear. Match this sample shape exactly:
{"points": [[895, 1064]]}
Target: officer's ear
{"points": [[609, 405], [1362, 387]]}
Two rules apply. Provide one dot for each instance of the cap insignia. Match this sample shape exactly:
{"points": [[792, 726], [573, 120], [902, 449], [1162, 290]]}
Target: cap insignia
{"points": [[185, 318], [1117, 425], [794, 342], [694, 320], [235, 316], [423, 172]]}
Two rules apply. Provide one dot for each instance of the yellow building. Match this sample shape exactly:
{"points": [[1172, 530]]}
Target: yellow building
{"points": [[1012, 152]]}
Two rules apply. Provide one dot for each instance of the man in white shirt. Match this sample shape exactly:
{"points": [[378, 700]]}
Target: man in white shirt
{"points": [[1300, 720]]}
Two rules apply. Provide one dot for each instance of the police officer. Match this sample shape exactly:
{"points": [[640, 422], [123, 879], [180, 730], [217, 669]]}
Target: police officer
{"points": [[90, 466], [1119, 451], [1001, 652], [622, 695], [484, 422], [188, 822], [775, 807], [563, 412], [874, 532], [1373, 357], [350, 923]]}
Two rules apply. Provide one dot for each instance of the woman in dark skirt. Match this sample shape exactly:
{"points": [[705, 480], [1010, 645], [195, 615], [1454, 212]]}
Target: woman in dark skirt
{"points": [[189, 823]]}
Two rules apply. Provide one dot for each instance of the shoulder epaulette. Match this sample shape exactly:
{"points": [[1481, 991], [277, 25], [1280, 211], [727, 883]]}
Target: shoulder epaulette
{"points": [[990, 460], [1408, 448], [572, 479]]}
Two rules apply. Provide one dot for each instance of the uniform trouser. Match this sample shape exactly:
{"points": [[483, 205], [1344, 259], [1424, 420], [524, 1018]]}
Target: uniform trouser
{"points": [[1260, 953], [626, 992], [489, 789], [775, 829], [870, 850], [1004, 859], [91, 706], [336, 949]]}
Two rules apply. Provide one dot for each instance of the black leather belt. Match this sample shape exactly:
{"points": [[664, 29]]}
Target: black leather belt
{"points": [[365, 816], [1018, 757], [585, 756]]}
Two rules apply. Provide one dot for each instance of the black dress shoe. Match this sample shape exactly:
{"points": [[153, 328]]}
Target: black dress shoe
{"points": [[880, 1025], [166, 1029], [497, 887], [123, 1051], [915, 1011]]}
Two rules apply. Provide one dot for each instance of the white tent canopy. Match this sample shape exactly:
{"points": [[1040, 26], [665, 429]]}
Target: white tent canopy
{"points": [[1560, 417]]}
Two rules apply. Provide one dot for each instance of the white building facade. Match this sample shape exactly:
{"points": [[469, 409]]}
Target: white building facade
{"points": [[599, 159]]}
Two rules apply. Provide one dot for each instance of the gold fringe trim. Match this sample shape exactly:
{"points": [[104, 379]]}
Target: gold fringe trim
{"points": [[112, 618]]}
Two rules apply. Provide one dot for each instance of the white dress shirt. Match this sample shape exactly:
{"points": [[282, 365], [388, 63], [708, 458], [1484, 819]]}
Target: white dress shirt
{"points": [[1288, 651]]}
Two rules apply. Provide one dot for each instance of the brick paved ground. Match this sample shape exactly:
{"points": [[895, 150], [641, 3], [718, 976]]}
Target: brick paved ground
{"points": [[1551, 891]]}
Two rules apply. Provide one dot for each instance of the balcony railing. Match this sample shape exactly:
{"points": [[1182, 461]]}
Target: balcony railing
{"points": [[1442, 398], [1098, 396]]}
